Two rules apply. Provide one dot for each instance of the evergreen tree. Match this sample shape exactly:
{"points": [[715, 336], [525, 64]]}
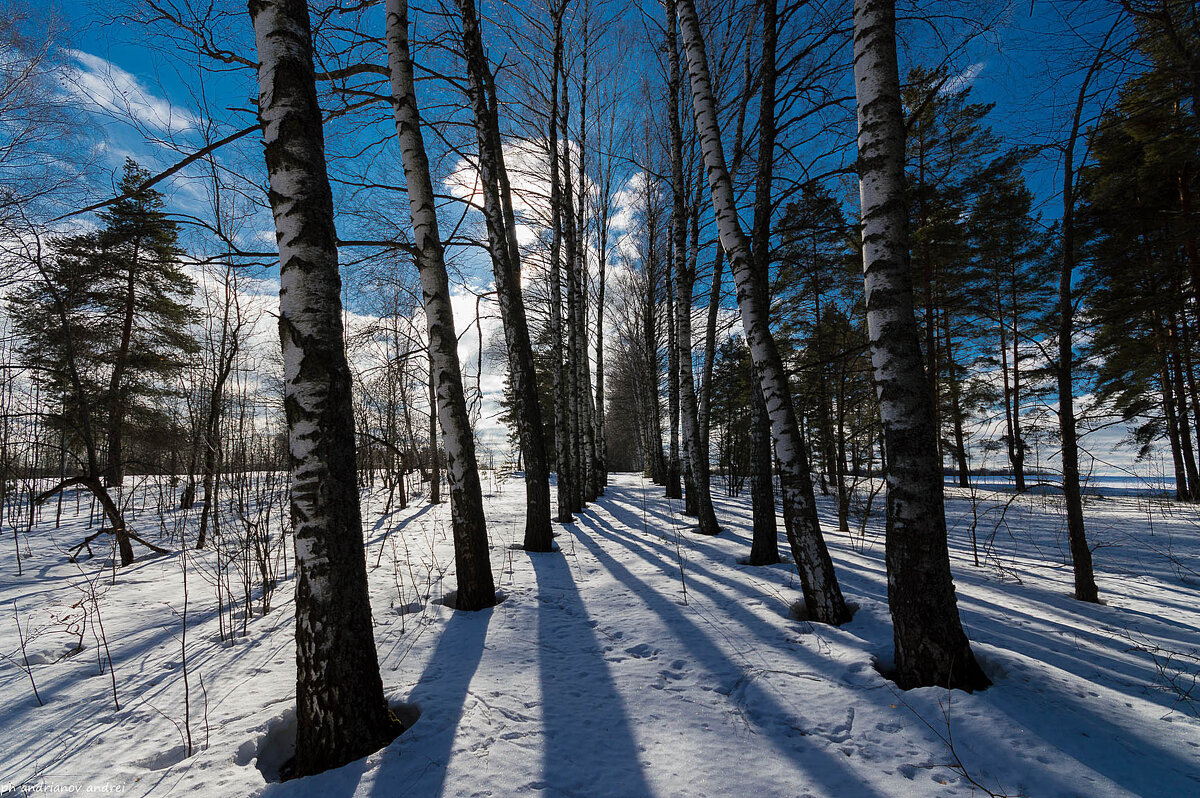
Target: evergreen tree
{"points": [[1139, 254], [126, 297], [812, 275], [730, 429], [1011, 287], [951, 155]]}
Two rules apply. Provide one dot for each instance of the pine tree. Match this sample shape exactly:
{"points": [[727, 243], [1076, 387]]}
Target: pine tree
{"points": [[1138, 256], [1011, 287], [951, 155], [812, 271], [127, 299]]}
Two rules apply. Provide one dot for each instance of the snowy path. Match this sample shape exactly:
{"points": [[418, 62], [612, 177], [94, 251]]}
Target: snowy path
{"points": [[600, 676]]}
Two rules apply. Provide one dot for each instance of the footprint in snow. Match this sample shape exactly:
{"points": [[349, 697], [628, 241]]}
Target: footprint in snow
{"points": [[642, 651]]}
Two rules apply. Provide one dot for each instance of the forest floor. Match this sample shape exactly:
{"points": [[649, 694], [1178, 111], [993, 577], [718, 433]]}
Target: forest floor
{"points": [[640, 660]]}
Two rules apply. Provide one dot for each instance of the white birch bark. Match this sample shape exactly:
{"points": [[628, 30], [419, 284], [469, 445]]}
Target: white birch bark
{"points": [[674, 467], [685, 279], [571, 261], [341, 711], [931, 648], [822, 595], [562, 448], [590, 480], [765, 544], [476, 588]]}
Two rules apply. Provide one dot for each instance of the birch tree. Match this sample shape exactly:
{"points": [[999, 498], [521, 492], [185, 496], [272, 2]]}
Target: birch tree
{"points": [[764, 548], [822, 595], [561, 425], [573, 333], [342, 714], [506, 266], [476, 588], [674, 469], [685, 280], [589, 481], [930, 645]]}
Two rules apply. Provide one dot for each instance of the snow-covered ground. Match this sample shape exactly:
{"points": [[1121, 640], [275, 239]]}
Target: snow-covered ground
{"points": [[641, 660]]}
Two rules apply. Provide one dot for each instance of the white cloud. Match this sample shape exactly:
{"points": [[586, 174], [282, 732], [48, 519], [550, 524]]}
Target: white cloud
{"points": [[963, 80], [112, 90], [527, 162]]}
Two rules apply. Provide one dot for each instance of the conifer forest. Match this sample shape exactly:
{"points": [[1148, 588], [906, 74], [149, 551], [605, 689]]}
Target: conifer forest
{"points": [[600, 398]]}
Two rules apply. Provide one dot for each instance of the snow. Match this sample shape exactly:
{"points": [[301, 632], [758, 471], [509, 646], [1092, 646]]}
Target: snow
{"points": [[607, 671]]}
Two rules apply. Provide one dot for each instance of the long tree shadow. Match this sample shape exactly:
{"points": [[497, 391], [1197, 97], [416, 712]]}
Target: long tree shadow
{"points": [[729, 676], [386, 533], [1132, 759], [660, 552], [1108, 747], [441, 694], [586, 732]]}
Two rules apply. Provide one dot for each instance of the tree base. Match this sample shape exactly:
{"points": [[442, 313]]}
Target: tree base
{"points": [[451, 600], [393, 728], [552, 548], [968, 677]]}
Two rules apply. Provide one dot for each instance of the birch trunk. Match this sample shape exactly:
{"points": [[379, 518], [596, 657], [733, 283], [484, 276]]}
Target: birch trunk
{"points": [[476, 589], [602, 233], [674, 470], [710, 346], [341, 711], [931, 647], [562, 436], [685, 279], [506, 266], [587, 456], [765, 546], [435, 467], [822, 595], [714, 296], [571, 260], [655, 456]]}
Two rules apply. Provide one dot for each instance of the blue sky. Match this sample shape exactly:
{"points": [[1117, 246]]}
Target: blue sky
{"points": [[1027, 62]]}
